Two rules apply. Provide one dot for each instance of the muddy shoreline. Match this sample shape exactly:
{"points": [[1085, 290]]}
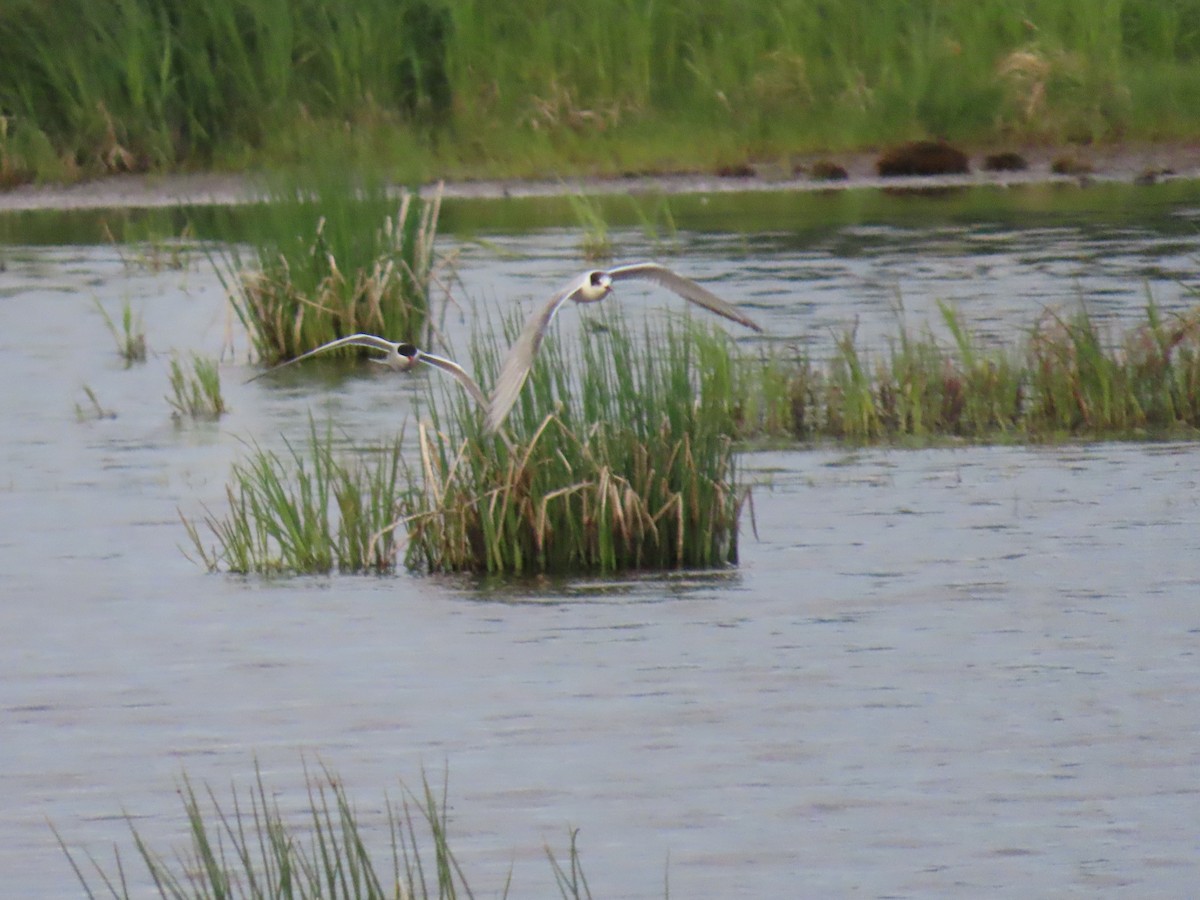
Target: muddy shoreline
{"points": [[1114, 164]]}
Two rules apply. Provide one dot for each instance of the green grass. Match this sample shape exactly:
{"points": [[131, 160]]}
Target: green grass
{"points": [[620, 458], [1069, 377], [312, 511], [196, 395], [461, 87], [336, 257], [596, 244], [250, 848], [93, 411], [129, 336]]}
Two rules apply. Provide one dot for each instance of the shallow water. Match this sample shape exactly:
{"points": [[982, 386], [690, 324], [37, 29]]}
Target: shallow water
{"points": [[951, 672]]}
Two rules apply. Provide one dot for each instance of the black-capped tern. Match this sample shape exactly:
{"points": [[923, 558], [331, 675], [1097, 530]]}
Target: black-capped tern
{"points": [[590, 287], [400, 357]]}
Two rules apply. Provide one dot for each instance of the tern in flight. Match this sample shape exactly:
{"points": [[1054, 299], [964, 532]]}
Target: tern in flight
{"points": [[398, 358], [590, 287]]}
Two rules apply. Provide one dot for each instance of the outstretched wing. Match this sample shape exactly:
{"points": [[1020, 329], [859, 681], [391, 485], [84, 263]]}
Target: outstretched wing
{"points": [[449, 365], [685, 288], [361, 340], [519, 360]]}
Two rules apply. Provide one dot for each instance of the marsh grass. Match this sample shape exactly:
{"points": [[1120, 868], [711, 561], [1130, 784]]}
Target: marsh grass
{"points": [[312, 511], [620, 455], [141, 247], [93, 411], [129, 335], [571, 881], [520, 88], [196, 394], [1068, 377], [251, 848], [596, 243], [334, 258], [618, 458], [657, 221]]}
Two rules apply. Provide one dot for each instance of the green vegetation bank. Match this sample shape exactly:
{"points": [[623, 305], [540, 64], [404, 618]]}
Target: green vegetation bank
{"points": [[461, 88]]}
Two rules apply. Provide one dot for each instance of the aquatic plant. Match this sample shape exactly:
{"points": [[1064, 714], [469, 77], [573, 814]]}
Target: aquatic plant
{"points": [[142, 246], [596, 243], [619, 459], [197, 394], [335, 257], [312, 512], [1069, 377], [1081, 380], [253, 849], [94, 411], [130, 336]]}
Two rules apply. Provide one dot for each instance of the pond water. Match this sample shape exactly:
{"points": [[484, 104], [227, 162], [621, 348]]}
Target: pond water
{"points": [[963, 671]]}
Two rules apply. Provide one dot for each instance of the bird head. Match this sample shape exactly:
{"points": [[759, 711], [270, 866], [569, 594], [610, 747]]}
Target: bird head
{"points": [[410, 353], [596, 287]]}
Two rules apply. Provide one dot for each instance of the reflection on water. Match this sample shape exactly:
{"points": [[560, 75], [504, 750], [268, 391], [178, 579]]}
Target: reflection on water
{"points": [[950, 672]]}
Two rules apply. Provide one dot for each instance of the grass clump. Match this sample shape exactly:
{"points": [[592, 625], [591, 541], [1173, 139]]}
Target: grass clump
{"points": [[93, 411], [129, 336], [196, 395], [309, 513], [336, 260], [626, 463], [596, 243], [254, 850], [1069, 378]]}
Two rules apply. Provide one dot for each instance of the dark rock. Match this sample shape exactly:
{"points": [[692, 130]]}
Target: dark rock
{"points": [[827, 170], [923, 158], [1070, 164], [1005, 161]]}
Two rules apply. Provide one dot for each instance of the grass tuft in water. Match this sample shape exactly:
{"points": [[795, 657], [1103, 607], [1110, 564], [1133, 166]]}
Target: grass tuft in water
{"points": [[253, 849], [130, 335], [196, 395], [619, 459], [572, 883], [335, 260], [309, 513], [1069, 378], [94, 411], [596, 243]]}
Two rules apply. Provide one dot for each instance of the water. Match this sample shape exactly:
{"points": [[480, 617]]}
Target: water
{"points": [[950, 672]]}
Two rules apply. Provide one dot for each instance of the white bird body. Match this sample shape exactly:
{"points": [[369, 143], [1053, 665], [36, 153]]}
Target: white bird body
{"points": [[590, 287], [399, 357]]}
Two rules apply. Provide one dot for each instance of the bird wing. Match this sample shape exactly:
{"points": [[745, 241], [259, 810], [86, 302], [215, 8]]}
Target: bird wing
{"points": [[519, 360], [361, 340], [685, 288], [449, 365]]}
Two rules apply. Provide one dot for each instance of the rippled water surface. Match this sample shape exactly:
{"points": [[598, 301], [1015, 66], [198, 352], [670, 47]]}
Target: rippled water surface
{"points": [[948, 672]]}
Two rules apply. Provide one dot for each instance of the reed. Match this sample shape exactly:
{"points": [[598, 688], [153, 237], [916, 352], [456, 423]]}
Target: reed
{"points": [[196, 394], [310, 512], [622, 459], [443, 87], [335, 259], [596, 244], [129, 336], [251, 848], [1069, 377], [94, 411]]}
